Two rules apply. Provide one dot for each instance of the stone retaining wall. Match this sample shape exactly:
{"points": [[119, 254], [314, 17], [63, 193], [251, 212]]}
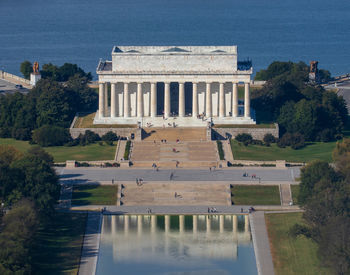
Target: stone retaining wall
{"points": [[15, 79], [122, 132], [257, 133]]}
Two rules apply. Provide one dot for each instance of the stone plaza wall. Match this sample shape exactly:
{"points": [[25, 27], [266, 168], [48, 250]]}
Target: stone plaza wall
{"points": [[257, 133], [122, 132]]}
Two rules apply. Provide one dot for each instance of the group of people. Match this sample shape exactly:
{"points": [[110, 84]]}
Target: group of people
{"points": [[212, 210], [253, 176], [139, 181], [163, 140], [177, 195]]}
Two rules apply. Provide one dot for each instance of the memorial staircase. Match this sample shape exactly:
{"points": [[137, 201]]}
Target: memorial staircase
{"points": [[173, 134], [187, 193]]}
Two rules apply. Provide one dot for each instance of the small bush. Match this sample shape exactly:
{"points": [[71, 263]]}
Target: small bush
{"points": [[296, 141], [220, 150], [21, 133], [244, 138], [127, 150], [237, 165], [109, 136], [257, 142], [269, 138], [82, 164], [109, 142]]}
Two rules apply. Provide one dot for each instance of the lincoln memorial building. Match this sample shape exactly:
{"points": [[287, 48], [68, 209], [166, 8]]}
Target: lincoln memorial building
{"points": [[173, 85]]}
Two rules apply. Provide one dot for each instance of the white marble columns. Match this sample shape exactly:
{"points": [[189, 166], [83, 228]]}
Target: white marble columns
{"points": [[140, 100], [166, 99]]}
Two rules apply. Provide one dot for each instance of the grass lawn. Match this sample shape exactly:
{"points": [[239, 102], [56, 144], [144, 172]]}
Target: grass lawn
{"points": [[255, 195], [95, 195], [313, 151], [86, 121], [57, 247], [63, 153], [291, 255], [295, 193]]}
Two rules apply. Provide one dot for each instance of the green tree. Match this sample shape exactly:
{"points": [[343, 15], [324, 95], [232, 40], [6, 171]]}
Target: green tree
{"points": [[26, 68], [49, 135]]}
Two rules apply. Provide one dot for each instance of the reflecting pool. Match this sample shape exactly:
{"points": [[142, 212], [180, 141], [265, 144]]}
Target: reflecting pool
{"points": [[176, 244]]}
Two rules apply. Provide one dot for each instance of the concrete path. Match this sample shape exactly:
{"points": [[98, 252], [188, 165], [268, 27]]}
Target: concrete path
{"points": [[91, 244], [266, 174], [121, 150], [286, 194], [226, 146], [261, 243], [180, 209]]}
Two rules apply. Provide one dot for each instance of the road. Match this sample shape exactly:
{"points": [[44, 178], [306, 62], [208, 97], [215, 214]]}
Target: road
{"points": [[232, 174], [8, 87]]}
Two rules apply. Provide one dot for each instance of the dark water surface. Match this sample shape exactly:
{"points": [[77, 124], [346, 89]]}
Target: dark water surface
{"points": [[81, 32]]}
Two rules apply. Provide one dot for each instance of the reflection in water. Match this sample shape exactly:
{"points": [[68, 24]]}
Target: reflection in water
{"points": [[196, 244]]}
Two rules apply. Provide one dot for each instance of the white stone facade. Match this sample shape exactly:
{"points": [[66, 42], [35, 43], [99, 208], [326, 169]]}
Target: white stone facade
{"points": [[150, 86]]}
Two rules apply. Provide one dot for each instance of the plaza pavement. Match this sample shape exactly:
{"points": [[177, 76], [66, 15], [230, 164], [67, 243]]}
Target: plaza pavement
{"points": [[266, 174]]}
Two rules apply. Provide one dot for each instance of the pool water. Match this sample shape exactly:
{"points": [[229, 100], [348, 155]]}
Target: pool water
{"points": [[176, 244]]}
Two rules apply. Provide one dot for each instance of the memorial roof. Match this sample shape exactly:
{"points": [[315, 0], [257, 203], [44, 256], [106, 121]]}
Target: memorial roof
{"points": [[175, 50]]}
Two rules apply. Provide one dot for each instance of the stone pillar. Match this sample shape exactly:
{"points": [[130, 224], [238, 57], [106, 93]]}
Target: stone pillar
{"points": [[221, 100], [113, 100], [101, 103], [235, 100], [181, 99], [139, 100], [166, 99], [208, 109], [126, 100], [246, 100], [153, 99], [194, 100], [106, 98]]}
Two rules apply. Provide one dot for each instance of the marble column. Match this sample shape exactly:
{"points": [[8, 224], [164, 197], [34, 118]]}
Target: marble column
{"points": [[208, 109], [126, 100], [139, 100], [194, 100], [221, 100], [246, 100], [106, 98], [101, 104], [235, 100], [166, 99], [153, 99], [113, 100], [181, 99]]}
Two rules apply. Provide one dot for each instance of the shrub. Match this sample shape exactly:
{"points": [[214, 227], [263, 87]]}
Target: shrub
{"points": [[109, 142], [109, 136], [22, 133], [269, 138], [127, 150], [296, 141], [257, 142], [88, 138], [244, 138], [220, 150], [49, 135]]}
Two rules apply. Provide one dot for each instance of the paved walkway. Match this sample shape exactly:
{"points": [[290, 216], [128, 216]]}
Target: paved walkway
{"points": [[91, 244], [286, 194], [261, 243]]}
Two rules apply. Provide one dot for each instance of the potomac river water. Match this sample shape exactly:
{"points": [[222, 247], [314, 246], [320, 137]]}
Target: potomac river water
{"points": [[82, 31]]}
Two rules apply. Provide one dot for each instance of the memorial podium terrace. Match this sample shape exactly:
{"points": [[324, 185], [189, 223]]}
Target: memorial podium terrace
{"points": [[173, 86]]}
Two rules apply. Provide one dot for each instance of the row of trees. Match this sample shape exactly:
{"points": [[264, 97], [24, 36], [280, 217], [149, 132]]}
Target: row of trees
{"points": [[53, 72], [29, 188], [298, 107], [48, 103], [325, 196]]}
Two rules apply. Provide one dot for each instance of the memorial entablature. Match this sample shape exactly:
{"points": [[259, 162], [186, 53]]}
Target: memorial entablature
{"points": [[180, 85]]}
